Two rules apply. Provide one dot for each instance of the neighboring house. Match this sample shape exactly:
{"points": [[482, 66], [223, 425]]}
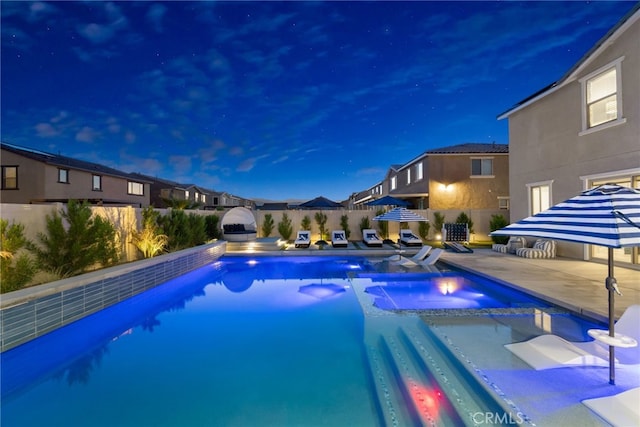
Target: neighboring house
{"points": [[473, 176], [163, 189], [274, 206], [579, 132], [358, 200], [33, 176]]}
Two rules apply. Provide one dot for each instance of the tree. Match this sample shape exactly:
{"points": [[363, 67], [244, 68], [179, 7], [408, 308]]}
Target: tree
{"points": [[321, 220], [211, 225], [267, 225], [86, 241], [284, 227], [17, 268], [344, 223], [497, 222], [364, 223]]}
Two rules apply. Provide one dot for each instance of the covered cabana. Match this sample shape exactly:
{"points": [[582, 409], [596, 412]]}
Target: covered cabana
{"points": [[238, 225]]}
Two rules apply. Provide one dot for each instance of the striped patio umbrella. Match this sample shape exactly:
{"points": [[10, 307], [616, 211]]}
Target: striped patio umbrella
{"points": [[400, 215], [608, 215]]}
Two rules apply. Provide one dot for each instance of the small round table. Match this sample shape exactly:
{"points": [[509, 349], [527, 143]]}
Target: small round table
{"points": [[618, 340]]}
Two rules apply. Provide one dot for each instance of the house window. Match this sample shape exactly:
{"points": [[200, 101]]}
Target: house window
{"points": [[394, 182], [9, 177], [96, 183], [419, 173], [539, 197], [63, 176], [503, 203], [135, 188], [186, 194], [482, 167], [408, 176], [602, 98]]}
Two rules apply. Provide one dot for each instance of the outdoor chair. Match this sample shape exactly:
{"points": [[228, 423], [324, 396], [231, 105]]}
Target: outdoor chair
{"points": [[303, 240], [542, 248]]}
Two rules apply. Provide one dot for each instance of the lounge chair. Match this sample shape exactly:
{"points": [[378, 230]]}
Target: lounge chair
{"points": [[370, 238], [551, 351], [414, 260], [338, 239], [429, 261], [542, 248], [514, 243], [407, 238], [622, 409], [303, 239]]}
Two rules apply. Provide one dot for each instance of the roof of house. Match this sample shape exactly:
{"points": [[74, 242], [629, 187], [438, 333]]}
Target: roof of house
{"points": [[472, 148], [570, 75], [67, 162], [155, 179]]}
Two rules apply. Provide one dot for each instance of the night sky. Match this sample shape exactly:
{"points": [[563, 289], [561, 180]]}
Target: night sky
{"points": [[279, 100]]}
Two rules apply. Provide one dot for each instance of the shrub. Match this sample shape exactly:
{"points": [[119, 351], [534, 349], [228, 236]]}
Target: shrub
{"points": [[284, 227], [211, 226], [305, 224], [175, 225], [344, 223], [464, 219], [88, 240], [423, 229], [149, 241], [364, 223], [383, 226], [438, 221], [197, 229], [321, 220], [267, 225], [17, 268], [497, 222]]}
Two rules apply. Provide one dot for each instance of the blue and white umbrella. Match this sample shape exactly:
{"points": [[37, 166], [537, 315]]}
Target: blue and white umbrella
{"points": [[608, 215], [400, 215]]}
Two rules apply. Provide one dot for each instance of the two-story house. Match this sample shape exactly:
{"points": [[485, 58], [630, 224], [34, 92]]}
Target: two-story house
{"points": [[33, 176], [579, 132]]}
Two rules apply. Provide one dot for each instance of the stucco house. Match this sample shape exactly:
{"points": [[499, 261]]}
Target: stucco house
{"points": [[33, 176], [579, 132]]}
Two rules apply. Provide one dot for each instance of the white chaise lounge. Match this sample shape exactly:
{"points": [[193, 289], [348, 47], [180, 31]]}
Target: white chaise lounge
{"points": [[303, 239], [551, 351], [370, 237], [338, 239], [619, 410]]}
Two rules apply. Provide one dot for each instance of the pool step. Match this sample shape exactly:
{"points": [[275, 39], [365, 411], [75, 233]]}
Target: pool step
{"points": [[415, 380]]}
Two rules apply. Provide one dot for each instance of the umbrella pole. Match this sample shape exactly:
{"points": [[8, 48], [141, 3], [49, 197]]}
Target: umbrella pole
{"points": [[610, 287]]}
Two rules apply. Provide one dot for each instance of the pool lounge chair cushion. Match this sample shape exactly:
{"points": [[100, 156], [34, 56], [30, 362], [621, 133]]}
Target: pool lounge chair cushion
{"points": [[338, 239], [407, 238], [542, 248], [622, 409], [551, 351], [303, 240], [371, 238]]}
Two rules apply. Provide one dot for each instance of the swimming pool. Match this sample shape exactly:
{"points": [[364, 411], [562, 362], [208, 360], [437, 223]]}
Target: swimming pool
{"points": [[245, 341]]}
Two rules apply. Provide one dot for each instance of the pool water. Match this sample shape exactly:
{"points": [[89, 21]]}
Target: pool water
{"points": [[269, 341]]}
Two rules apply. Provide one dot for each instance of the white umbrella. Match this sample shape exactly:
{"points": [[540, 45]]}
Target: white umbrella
{"points": [[608, 215]]}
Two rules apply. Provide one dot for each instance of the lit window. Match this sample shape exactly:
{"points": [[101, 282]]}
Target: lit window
{"points": [[408, 176], [419, 172], [482, 167], [394, 182], [135, 188], [186, 195], [9, 177], [601, 95], [97, 183], [63, 175], [540, 195]]}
